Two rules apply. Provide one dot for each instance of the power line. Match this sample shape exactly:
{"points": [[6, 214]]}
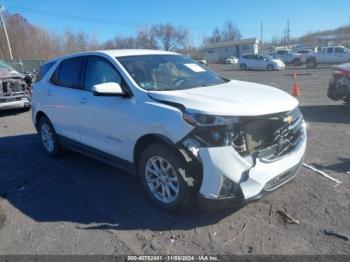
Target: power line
{"points": [[88, 19], [75, 17]]}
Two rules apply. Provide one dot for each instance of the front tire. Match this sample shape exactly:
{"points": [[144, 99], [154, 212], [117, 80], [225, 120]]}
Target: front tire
{"points": [[243, 67], [270, 67], [49, 137], [166, 177]]}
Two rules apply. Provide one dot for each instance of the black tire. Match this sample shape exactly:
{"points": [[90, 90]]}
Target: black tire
{"points": [[296, 62], [270, 67], [56, 151], [243, 66], [26, 108], [311, 63], [331, 91], [186, 182]]}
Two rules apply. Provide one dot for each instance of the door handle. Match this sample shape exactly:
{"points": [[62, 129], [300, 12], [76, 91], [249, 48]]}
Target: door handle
{"points": [[83, 101]]}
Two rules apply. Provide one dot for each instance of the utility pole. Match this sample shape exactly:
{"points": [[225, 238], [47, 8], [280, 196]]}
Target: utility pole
{"points": [[261, 35], [288, 31], [2, 8]]}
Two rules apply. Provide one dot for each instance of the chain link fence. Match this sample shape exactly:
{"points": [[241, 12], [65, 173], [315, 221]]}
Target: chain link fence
{"points": [[24, 65]]}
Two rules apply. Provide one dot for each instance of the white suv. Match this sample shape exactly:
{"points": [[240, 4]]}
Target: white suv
{"points": [[189, 134]]}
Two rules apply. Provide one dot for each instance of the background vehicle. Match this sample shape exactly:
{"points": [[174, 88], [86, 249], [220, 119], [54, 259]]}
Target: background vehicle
{"points": [[187, 132], [231, 60], [304, 52], [339, 85], [328, 55], [288, 56], [202, 61], [259, 62], [14, 88]]}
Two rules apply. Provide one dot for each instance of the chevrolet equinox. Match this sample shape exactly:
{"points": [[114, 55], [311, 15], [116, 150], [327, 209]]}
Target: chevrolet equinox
{"points": [[188, 133]]}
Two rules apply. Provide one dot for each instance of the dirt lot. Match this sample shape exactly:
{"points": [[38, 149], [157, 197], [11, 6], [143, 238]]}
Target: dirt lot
{"points": [[76, 205]]}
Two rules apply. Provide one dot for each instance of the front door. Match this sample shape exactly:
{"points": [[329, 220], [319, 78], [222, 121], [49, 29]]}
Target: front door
{"points": [[103, 125]]}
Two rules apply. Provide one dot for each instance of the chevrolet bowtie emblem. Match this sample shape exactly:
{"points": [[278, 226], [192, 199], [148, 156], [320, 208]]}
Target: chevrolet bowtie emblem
{"points": [[288, 119]]}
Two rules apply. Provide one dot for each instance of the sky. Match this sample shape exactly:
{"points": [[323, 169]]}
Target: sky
{"points": [[107, 18]]}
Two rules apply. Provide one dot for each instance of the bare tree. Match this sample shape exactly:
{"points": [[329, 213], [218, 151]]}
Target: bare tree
{"points": [[229, 32], [146, 39], [170, 37]]}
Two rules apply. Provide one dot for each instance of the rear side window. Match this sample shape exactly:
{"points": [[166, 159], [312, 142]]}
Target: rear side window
{"points": [[68, 73], [43, 70]]}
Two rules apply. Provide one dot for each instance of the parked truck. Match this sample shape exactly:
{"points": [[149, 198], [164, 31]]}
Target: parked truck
{"points": [[328, 55], [288, 56]]}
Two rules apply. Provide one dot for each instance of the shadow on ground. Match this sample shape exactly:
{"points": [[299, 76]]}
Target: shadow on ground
{"points": [[341, 167], [327, 113], [12, 112], [78, 189]]}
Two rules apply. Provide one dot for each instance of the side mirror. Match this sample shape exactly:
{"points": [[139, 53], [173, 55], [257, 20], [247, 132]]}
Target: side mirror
{"points": [[107, 89]]}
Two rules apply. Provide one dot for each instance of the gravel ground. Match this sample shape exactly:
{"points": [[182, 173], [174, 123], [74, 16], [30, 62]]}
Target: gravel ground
{"points": [[76, 205]]}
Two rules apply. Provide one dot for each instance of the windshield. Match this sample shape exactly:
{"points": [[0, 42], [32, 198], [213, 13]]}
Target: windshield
{"points": [[168, 72]]}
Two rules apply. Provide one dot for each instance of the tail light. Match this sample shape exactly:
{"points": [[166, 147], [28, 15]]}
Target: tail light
{"points": [[340, 72]]}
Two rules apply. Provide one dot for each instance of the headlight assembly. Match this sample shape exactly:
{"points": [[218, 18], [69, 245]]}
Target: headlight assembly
{"points": [[215, 131]]}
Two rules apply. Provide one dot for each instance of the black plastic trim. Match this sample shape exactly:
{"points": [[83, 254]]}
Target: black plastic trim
{"points": [[97, 154]]}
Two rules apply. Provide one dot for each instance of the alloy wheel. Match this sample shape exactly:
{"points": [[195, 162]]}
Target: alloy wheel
{"points": [[162, 179], [47, 137]]}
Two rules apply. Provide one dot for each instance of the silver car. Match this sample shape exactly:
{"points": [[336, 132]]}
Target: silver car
{"points": [[260, 62]]}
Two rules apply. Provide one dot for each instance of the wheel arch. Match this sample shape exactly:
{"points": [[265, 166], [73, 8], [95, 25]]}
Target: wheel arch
{"points": [[38, 116], [149, 139]]}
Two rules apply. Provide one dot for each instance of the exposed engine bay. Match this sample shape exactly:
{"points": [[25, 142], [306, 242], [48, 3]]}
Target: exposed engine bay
{"points": [[14, 88], [267, 137]]}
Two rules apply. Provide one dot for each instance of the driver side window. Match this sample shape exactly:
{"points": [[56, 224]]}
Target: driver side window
{"points": [[98, 71]]}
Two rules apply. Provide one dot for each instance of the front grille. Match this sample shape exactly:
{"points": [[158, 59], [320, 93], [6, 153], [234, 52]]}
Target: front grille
{"points": [[273, 136]]}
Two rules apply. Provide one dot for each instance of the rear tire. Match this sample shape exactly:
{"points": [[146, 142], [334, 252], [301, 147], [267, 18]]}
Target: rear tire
{"points": [[243, 66], [49, 137], [165, 177], [311, 64]]}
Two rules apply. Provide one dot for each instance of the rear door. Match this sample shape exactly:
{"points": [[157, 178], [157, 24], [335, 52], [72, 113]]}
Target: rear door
{"points": [[330, 56], [62, 97]]}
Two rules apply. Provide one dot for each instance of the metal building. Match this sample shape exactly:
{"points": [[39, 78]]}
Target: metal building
{"points": [[218, 52]]}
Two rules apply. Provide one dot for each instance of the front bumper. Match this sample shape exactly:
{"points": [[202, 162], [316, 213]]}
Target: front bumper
{"points": [[24, 102], [279, 67], [254, 179]]}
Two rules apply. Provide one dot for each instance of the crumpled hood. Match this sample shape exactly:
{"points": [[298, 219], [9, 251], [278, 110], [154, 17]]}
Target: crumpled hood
{"points": [[8, 73], [234, 98]]}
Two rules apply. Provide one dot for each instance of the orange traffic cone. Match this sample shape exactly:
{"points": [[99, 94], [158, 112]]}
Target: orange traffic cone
{"points": [[296, 91]]}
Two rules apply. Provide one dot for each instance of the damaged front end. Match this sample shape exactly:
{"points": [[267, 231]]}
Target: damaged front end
{"points": [[242, 156], [14, 89]]}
